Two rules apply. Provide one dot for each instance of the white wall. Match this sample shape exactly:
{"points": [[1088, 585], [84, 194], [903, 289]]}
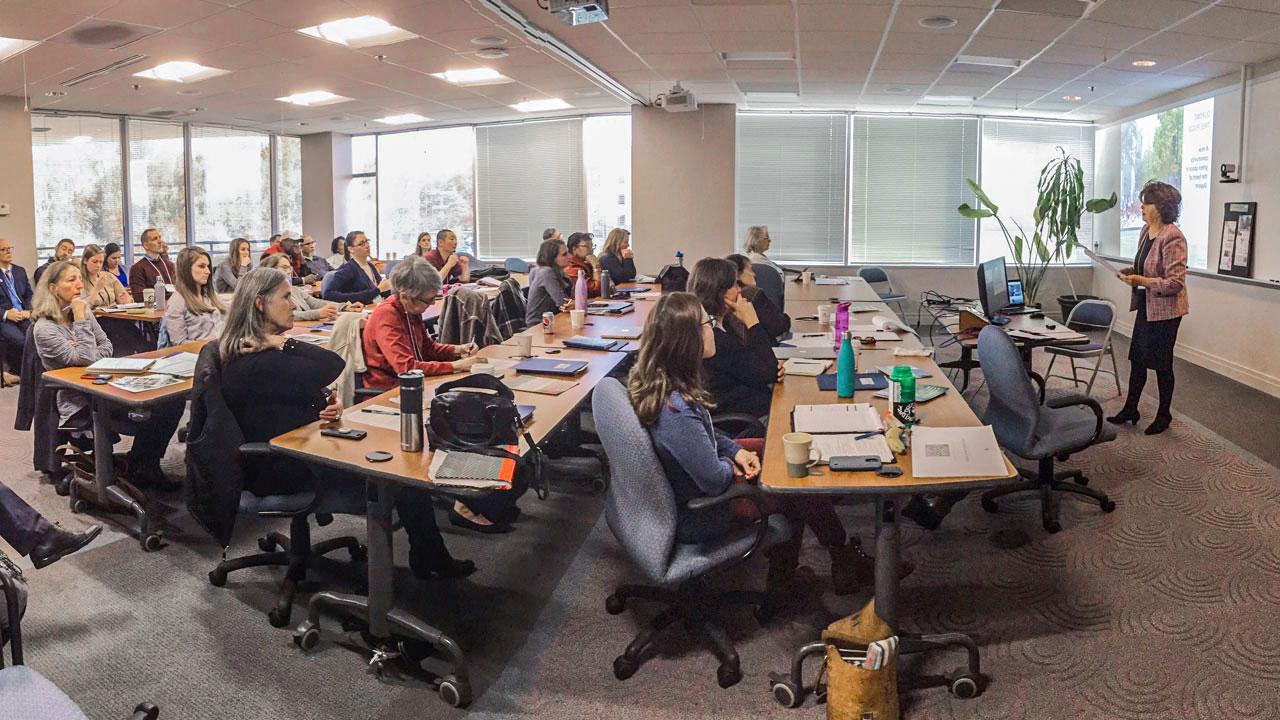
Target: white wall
{"points": [[17, 184], [1233, 327], [326, 173]]}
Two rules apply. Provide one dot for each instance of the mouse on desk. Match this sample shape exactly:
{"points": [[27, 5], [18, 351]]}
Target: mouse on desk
{"points": [[1037, 316]]}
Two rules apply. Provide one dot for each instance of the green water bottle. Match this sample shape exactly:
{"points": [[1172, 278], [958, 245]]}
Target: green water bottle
{"points": [[846, 367], [904, 395]]}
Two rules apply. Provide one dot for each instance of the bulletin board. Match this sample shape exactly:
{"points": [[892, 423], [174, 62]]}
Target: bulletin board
{"points": [[1239, 239]]}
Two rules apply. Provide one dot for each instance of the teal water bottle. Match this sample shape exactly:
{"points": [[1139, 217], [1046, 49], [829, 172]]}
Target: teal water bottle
{"points": [[846, 367]]}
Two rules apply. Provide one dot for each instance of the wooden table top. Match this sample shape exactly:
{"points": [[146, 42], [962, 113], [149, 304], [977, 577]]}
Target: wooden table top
{"points": [[147, 315], [550, 410], [945, 316], [70, 377], [856, 291]]}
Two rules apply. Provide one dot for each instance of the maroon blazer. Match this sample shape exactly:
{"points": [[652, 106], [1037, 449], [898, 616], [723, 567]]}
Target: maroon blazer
{"points": [[1166, 266]]}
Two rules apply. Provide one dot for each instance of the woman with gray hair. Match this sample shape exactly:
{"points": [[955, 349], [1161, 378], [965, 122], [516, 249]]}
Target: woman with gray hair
{"points": [[256, 357], [756, 244], [306, 306]]}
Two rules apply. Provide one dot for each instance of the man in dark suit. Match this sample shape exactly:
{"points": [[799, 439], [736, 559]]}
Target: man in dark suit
{"points": [[65, 248], [15, 310]]}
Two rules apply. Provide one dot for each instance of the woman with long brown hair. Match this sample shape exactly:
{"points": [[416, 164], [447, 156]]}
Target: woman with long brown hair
{"points": [[195, 312], [668, 395], [743, 370]]}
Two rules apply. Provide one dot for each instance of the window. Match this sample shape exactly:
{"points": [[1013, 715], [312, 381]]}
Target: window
{"points": [[157, 191], [1013, 154], [1174, 146], [908, 179], [77, 169], [231, 187], [606, 153], [529, 176], [791, 176], [362, 209], [289, 186], [426, 183]]}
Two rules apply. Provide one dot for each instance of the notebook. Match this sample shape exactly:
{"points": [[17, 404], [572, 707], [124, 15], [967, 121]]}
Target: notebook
{"points": [[806, 367], [610, 308], [121, 365], [181, 364], [540, 385], [552, 366], [836, 418], [861, 381], [586, 343], [627, 333], [472, 470], [829, 446]]}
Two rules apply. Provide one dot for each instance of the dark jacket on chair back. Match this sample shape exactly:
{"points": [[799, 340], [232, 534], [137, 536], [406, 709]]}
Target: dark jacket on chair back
{"points": [[215, 477]]}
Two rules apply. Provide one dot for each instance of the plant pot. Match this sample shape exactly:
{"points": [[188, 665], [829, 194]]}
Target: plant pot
{"points": [[1068, 303]]}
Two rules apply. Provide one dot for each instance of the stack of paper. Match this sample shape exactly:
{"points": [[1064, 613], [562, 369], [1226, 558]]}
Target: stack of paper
{"points": [[944, 452], [805, 367], [540, 385], [117, 366], [830, 446], [837, 418], [181, 364]]}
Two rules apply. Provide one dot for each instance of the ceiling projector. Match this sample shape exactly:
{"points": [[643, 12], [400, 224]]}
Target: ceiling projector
{"points": [[677, 99], [579, 12]]}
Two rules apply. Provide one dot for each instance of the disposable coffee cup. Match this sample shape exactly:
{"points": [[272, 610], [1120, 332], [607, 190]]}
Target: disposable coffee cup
{"points": [[149, 297], [798, 450], [807, 276], [577, 319], [524, 345], [824, 314]]}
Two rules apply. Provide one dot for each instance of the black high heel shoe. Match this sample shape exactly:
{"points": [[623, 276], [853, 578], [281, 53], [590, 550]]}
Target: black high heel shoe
{"points": [[1159, 425], [1125, 416]]}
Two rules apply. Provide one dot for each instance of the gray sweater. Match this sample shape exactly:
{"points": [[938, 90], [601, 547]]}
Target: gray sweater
{"points": [[224, 277], [182, 325], [307, 306], [79, 344], [547, 292]]}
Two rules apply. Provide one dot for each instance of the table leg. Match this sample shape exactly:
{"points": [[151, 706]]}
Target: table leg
{"points": [[105, 491], [381, 503], [886, 591]]}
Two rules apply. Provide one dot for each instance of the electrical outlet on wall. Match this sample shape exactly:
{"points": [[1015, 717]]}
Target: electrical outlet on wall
{"points": [[4, 209]]}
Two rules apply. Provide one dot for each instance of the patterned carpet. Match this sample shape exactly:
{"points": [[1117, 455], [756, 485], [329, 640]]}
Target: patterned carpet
{"points": [[1166, 608]]}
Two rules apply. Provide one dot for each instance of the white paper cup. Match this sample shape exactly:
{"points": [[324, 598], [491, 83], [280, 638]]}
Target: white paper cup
{"points": [[524, 345], [577, 319], [149, 297], [824, 314]]}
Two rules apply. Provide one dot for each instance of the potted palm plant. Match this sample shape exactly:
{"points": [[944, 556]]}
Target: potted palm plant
{"points": [[1060, 205]]}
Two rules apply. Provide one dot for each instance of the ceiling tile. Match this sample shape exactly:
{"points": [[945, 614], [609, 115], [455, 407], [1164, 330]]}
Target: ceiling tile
{"points": [[1177, 46], [1025, 26], [914, 42], [1267, 5], [1152, 14], [845, 16], [744, 18], [761, 41], [679, 18], [908, 19], [839, 42], [681, 61], [293, 15], [1105, 35], [1246, 52], [1003, 47], [1231, 23], [229, 27], [1053, 71], [690, 42], [1060, 52], [35, 23], [905, 61], [167, 14]]}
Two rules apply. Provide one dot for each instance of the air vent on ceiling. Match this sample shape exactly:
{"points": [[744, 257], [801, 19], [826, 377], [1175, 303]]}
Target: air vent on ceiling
{"points": [[774, 89], [1058, 8], [161, 113], [126, 62], [103, 34]]}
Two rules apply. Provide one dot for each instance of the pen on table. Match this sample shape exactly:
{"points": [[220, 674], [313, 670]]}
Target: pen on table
{"points": [[376, 411], [866, 435]]}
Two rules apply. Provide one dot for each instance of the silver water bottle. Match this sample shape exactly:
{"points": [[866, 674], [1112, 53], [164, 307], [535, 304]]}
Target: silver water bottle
{"points": [[411, 411], [606, 285]]}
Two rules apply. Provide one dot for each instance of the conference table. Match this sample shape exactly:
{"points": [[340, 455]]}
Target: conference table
{"points": [[851, 289], [599, 326]]}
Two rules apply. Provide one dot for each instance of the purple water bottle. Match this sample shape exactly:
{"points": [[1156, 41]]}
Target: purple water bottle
{"points": [[841, 323]]}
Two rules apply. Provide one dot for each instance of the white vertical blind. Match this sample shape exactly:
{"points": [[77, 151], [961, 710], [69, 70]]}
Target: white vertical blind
{"points": [[1013, 153], [289, 186], [529, 176], [791, 176], [908, 179]]}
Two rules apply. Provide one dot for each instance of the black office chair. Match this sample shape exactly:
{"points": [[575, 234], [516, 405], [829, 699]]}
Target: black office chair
{"points": [[216, 455], [25, 694], [641, 512], [1030, 427]]}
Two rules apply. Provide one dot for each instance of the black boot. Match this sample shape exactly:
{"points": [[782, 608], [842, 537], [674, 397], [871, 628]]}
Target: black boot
{"points": [[1127, 415], [445, 568], [1159, 425], [59, 543]]}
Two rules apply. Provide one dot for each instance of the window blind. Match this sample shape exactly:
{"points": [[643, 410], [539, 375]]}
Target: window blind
{"points": [[791, 176], [908, 176], [78, 187], [1013, 153], [157, 189], [529, 177]]}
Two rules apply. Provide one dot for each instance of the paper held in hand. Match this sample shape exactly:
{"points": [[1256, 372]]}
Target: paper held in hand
{"points": [[1100, 260]]}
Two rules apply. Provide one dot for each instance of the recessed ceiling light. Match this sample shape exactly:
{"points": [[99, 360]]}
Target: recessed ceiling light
{"points": [[897, 90], [492, 53], [1071, 98], [358, 32], [946, 100], [403, 119], [1144, 63], [489, 40], [938, 22], [12, 46], [313, 98], [473, 76], [182, 71], [79, 140], [541, 105]]}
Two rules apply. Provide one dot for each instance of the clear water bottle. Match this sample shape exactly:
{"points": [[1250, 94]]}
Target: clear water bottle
{"points": [[679, 258], [161, 296]]}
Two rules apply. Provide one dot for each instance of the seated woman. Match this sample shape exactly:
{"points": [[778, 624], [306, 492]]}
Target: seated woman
{"points": [[396, 341], [194, 312], [669, 398], [273, 384], [68, 335], [338, 248], [583, 262], [454, 268], [358, 280], [305, 305], [743, 370], [239, 260], [549, 287], [617, 257], [114, 263], [102, 288], [423, 246], [756, 244], [776, 322]]}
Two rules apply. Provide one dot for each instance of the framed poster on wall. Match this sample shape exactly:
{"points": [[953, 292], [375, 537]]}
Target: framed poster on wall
{"points": [[1239, 234]]}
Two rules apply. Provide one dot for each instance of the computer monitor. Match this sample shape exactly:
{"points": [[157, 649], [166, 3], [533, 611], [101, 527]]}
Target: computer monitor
{"points": [[993, 287]]}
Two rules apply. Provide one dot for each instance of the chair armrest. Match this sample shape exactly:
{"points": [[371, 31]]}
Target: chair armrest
{"points": [[1072, 398], [145, 711], [746, 425], [255, 449], [1039, 383], [14, 628], [365, 392], [740, 491]]}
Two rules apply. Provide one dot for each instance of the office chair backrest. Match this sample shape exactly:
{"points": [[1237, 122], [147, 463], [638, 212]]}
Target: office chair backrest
{"points": [[386, 269], [1014, 407], [873, 275], [326, 281], [516, 265], [472, 261], [1095, 315], [641, 507], [769, 280]]}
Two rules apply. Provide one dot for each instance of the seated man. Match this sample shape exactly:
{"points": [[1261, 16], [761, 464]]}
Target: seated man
{"points": [[32, 535], [313, 268], [151, 266], [396, 340], [63, 251], [288, 247], [15, 311]]}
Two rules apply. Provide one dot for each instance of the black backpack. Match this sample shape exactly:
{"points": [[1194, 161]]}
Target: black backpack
{"points": [[478, 414], [673, 278], [490, 271]]}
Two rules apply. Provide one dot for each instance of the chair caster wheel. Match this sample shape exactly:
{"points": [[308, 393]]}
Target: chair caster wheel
{"points": [[728, 675], [455, 692], [359, 553], [266, 544], [78, 505], [786, 693], [152, 542], [599, 485], [279, 617], [147, 711], [614, 605], [964, 686], [1052, 526], [217, 577], [1082, 480], [62, 487], [624, 668], [990, 505], [307, 636], [1107, 505]]}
